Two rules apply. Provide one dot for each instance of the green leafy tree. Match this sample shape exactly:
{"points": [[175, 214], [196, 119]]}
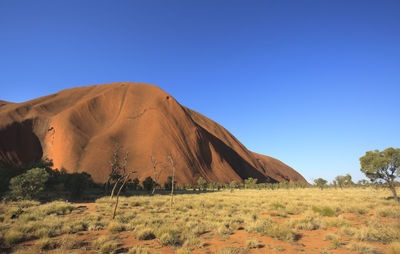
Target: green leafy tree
{"points": [[383, 167], [213, 185], [77, 183], [234, 185], [250, 182], [133, 184], [29, 185], [202, 183], [347, 180], [320, 183], [148, 183], [340, 181]]}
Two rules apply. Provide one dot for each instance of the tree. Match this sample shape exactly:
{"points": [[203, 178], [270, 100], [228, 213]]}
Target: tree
{"points": [[116, 168], [340, 181], [213, 185], [156, 174], [202, 183], [29, 184], [148, 183], [171, 161], [347, 180], [234, 185], [383, 167], [250, 182], [77, 183], [133, 184], [320, 182]]}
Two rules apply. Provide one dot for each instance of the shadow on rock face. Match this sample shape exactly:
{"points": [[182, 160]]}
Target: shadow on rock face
{"points": [[19, 144]]}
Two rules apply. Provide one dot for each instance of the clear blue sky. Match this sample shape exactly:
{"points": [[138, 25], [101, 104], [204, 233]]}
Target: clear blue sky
{"points": [[315, 84]]}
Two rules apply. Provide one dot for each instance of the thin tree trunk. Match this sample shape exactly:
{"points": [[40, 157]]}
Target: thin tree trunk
{"points": [[393, 189], [119, 191], [173, 180], [155, 175], [115, 185]]}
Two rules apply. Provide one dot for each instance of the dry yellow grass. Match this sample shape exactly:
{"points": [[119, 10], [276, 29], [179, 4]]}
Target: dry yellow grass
{"points": [[283, 214]]}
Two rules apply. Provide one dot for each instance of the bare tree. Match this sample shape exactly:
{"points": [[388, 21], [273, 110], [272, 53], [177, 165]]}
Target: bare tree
{"points": [[156, 174], [171, 161], [118, 174], [115, 167], [125, 177], [121, 174]]}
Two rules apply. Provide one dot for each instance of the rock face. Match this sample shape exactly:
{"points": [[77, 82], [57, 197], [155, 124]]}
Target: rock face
{"points": [[79, 128]]}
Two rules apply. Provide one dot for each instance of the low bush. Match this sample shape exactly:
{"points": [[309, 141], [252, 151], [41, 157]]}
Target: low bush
{"points": [[115, 227], [324, 211], [363, 248], [28, 185], [138, 250], [145, 234], [309, 221], [252, 243], [104, 244]]}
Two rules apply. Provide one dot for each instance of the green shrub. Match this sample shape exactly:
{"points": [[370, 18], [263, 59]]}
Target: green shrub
{"points": [[148, 183], [324, 211], [29, 185]]}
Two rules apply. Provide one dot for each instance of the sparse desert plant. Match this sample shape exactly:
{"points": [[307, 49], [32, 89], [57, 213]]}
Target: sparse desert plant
{"points": [[138, 250], [253, 243], [223, 229], [169, 236], [309, 221], [363, 248], [184, 251], [69, 242], [324, 211], [46, 243], [104, 244], [338, 222], [145, 234], [335, 239], [232, 250], [12, 237], [193, 241], [392, 212], [376, 232], [272, 229], [115, 227]]}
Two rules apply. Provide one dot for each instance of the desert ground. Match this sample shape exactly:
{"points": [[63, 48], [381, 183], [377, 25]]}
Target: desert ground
{"points": [[307, 220]]}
